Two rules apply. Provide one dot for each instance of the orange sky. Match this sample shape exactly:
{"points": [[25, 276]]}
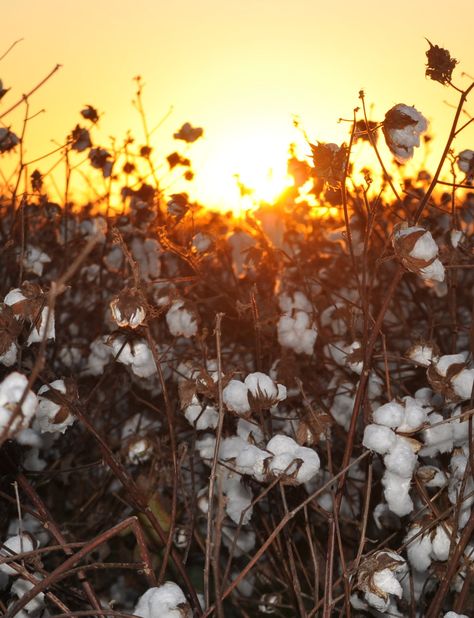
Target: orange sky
{"points": [[240, 69]]}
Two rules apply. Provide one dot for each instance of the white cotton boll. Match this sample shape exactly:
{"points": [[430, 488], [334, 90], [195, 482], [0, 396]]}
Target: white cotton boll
{"points": [[414, 417], [251, 460], [139, 450], [454, 615], [246, 428], [439, 439], [206, 447], [432, 476], [297, 300], [455, 237], [421, 354], [99, 357], [21, 586], [401, 459], [231, 447], [201, 417], [391, 414], [13, 297], [181, 322], [45, 330], [166, 601], [440, 545], [138, 356], [243, 542], [297, 332], [433, 272], [466, 161], [425, 248], [259, 384], [397, 493], [379, 438], [443, 363], [147, 253], [235, 397], [17, 545], [34, 260], [460, 427], [463, 383], [11, 392], [286, 453], [418, 550], [9, 357], [378, 603], [238, 499], [47, 414], [387, 581]]}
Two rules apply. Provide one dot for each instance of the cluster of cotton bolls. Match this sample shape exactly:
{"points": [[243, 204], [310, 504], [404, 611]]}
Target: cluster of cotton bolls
{"points": [[399, 451], [165, 601], [296, 327]]}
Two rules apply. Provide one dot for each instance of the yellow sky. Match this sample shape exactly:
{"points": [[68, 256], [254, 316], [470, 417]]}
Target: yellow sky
{"points": [[240, 69]]}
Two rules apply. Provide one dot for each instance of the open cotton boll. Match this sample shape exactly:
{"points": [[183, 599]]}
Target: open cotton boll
{"points": [[397, 493], [434, 271], [137, 356], [297, 300], [235, 397], [246, 428], [443, 363], [463, 383], [425, 247], [259, 384], [439, 439], [401, 459], [391, 414], [418, 550], [11, 392], [166, 601], [415, 415], [387, 582], [421, 353], [454, 615], [181, 321], [201, 417], [297, 332], [21, 586], [15, 545], [379, 438], [238, 499], [251, 460], [53, 417], [8, 358], [286, 451], [242, 541], [231, 447], [46, 329], [206, 446], [440, 545]]}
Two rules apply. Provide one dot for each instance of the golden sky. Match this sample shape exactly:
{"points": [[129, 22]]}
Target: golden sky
{"points": [[240, 69]]}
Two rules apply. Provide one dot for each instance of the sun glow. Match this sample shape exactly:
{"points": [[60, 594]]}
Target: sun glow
{"points": [[252, 171]]}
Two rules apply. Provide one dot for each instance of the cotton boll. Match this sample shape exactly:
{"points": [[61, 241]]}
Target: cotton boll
{"points": [[231, 447], [440, 545], [379, 438], [99, 357], [297, 300], [390, 414], [251, 460], [53, 417], [443, 363], [425, 248], [235, 397], [181, 321], [246, 428], [166, 601], [8, 358], [434, 271], [21, 586], [238, 499], [418, 550], [454, 615], [201, 417], [17, 545], [11, 392], [34, 260], [397, 493], [297, 332], [206, 447], [401, 459], [423, 354], [286, 452], [463, 383], [414, 417], [45, 330], [259, 384], [438, 439], [431, 476], [242, 543], [386, 581]]}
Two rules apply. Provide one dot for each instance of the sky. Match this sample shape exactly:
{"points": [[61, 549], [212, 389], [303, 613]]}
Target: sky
{"points": [[242, 70]]}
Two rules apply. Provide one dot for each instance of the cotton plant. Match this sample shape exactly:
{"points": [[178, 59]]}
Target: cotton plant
{"points": [[165, 601], [296, 327], [418, 252], [402, 128]]}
